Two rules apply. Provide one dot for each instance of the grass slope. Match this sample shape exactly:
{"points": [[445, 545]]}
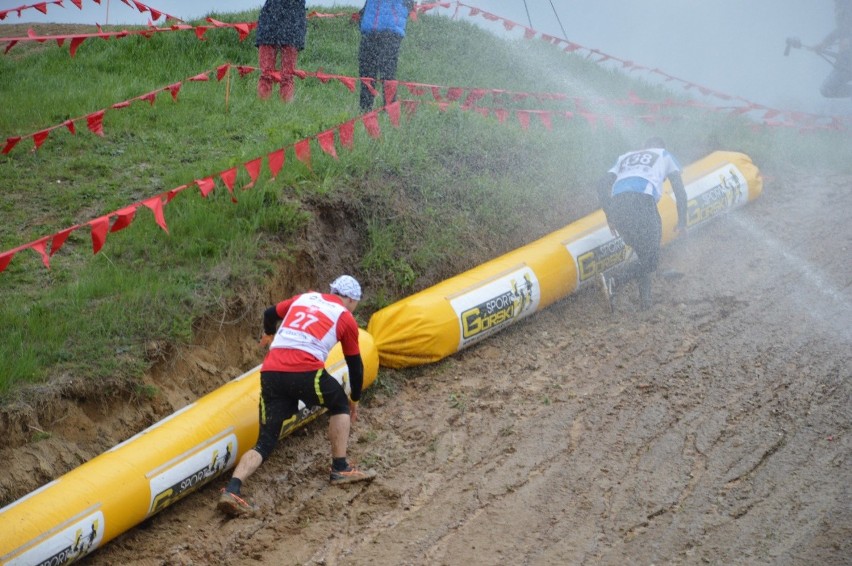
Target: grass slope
{"points": [[444, 191]]}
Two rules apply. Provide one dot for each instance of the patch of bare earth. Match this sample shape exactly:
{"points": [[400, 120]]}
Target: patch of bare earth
{"points": [[714, 428]]}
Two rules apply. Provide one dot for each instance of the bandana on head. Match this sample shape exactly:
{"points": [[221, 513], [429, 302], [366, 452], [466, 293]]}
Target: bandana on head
{"points": [[346, 286]]}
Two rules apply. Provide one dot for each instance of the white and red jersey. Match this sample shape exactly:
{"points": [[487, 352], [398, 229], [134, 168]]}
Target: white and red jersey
{"points": [[312, 323], [643, 171]]}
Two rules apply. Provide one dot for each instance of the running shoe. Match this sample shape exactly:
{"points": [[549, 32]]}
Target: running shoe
{"points": [[351, 475], [234, 505]]}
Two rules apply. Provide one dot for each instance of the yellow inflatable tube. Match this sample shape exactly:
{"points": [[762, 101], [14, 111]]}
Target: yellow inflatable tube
{"points": [[465, 309], [75, 514]]}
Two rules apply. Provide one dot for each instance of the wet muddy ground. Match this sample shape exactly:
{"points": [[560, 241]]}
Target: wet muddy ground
{"points": [[712, 429]]}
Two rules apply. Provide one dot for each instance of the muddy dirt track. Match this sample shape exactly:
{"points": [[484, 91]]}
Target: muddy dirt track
{"points": [[712, 429]]}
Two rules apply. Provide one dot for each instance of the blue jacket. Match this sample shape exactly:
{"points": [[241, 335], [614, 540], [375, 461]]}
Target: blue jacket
{"points": [[282, 22], [385, 15]]}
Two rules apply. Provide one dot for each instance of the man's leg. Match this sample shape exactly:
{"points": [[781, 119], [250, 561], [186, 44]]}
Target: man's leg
{"points": [[334, 398], [248, 465], [274, 407], [648, 251], [338, 434]]}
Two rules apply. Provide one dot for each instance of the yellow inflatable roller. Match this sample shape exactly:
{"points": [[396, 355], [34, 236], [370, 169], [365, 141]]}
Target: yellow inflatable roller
{"points": [[75, 514], [461, 311]]}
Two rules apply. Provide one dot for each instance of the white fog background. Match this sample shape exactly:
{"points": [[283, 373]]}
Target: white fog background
{"points": [[731, 46]]}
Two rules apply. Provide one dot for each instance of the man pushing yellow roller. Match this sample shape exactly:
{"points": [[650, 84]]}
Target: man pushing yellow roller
{"points": [[294, 370], [629, 194]]}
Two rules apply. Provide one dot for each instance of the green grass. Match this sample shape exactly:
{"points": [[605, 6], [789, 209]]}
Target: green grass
{"points": [[442, 193]]}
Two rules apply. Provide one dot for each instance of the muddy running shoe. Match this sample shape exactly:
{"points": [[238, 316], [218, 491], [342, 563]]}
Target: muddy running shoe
{"points": [[234, 505], [351, 475], [605, 284]]}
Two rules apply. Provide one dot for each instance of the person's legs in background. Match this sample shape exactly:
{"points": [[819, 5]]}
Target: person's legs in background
{"points": [[388, 56], [266, 55], [368, 57], [289, 57]]}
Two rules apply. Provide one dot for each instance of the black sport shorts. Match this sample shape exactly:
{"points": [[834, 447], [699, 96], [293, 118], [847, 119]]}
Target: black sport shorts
{"points": [[280, 393]]}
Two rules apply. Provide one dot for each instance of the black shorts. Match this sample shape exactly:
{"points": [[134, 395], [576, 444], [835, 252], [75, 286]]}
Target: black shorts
{"points": [[636, 219], [280, 393]]}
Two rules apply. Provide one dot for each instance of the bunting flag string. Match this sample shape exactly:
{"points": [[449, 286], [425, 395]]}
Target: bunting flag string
{"points": [[120, 219], [243, 29], [803, 120], [42, 7], [94, 120], [440, 93]]}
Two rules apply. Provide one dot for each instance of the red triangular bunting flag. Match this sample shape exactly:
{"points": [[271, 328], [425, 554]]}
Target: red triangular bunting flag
{"points": [[523, 118], [150, 97], [100, 226], [10, 143], [326, 142], [474, 95], [39, 137], [454, 93], [229, 177], [368, 84], [120, 105], [6, 257], [156, 206], [221, 70], [348, 82], [253, 169], [545, 120], [390, 89], [174, 89], [41, 7], [40, 247], [303, 152], [59, 239], [275, 162], [199, 32], [95, 122], [393, 112], [501, 114], [70, 125], [346, 132], [123, 218], [78, 3], [155, 15], [174, 192], [243, 29], [415, 90], [201, 77], [75, 43], [371, 124], [206, 186]]}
